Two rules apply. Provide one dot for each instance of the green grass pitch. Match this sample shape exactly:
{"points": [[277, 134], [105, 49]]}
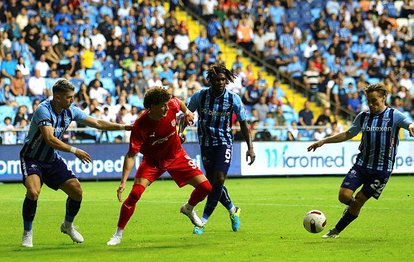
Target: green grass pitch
{"points": [[271, 224]]}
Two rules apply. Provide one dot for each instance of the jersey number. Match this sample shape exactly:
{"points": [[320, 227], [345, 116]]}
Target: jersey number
{"points": [[227, 156]]}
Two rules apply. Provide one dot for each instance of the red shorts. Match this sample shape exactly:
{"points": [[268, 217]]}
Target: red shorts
{"points": [[181, 169]]}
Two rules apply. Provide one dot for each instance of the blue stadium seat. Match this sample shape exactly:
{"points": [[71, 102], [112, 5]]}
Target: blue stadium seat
{"points": [[348, 80], [24, 100], [135, 100], [118, 72], [6, 111], [109, 85], [373, 80], [77, 83], [90, 73], [315, 13]]}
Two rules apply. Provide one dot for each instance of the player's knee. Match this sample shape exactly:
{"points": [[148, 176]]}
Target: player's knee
{"points": [[33, 193], [77, 194], [205, 186], [344, 198], [135, 194]]}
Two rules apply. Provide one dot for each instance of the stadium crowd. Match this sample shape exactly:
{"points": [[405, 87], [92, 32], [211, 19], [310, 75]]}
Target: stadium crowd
{"points": [[113, 51]]}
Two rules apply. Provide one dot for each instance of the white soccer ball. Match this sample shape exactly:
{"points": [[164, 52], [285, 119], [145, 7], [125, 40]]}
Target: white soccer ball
{"points": [[314, 221]]}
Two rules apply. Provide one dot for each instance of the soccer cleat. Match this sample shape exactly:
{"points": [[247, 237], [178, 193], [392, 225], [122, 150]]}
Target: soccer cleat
{"points": [[27, 239], [235, 220], [72, 232], [192, 216], [115, 240], [198, 230], [332, 233]]}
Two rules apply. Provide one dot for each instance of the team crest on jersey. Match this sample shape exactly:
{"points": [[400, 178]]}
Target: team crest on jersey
{"points": [[173, 123]]}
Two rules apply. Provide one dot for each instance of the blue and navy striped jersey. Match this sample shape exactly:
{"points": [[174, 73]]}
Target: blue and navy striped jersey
{"points": [[35, 146], [380, 139], [215, 115]]}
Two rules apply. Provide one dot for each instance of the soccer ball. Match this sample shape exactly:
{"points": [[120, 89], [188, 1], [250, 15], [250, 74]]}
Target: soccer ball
{"points": [[314, 221]]}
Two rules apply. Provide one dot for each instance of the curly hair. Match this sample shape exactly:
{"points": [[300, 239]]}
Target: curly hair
{"points": [[62, 86], [215, 70], [378, 87], [156, 96]]}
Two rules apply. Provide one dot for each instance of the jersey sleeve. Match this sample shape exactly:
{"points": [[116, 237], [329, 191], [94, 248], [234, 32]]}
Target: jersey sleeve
{"points": [[174, 104], [136, 140], [239, 109], [401, 120], [42, 116], [194, 101], [356, 124], [77, 114]]}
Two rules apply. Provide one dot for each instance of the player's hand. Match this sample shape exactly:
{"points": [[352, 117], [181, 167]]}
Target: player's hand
{"points": [[189, 118], [128, 127], [314, 146], [83, 156], [119, 191], [183, 137], [250, 154], [411, 129]]}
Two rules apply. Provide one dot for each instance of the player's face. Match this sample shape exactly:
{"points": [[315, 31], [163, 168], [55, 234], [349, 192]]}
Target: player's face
{"points": [[376, 102], [159, 111], [66, 99], [219, 82]]}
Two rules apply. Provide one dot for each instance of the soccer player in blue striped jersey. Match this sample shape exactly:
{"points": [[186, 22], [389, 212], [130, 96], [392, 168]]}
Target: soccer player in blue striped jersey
{"points": [[41, 162], [380, 128], [215, 107]]}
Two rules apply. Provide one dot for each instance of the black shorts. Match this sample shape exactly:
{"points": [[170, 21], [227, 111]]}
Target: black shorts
{"points": [[373, 181], [216, 158], [52, 174]]}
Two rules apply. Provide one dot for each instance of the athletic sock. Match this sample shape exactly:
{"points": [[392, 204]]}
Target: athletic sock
{"points": [[28, 212], [345, 220], [119, 232], [212, 200], [128, 207], [72, 209], [199, 193], [226, 201]]}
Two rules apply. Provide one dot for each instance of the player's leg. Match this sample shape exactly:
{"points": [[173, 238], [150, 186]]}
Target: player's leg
{"points": [[202, 188], [73, 189], [128, 208], [33, 186], [147, 173], [234, 212]]}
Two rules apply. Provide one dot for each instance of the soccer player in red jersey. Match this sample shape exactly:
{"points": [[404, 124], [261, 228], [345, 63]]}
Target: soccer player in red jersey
{"points": [[154, 135]]}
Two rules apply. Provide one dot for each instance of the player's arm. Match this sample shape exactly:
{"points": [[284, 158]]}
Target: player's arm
{"points": [[248, 138], [104, 125], [343, 136], [411, 129], [54, 142], [129, 162], [188, 115]]}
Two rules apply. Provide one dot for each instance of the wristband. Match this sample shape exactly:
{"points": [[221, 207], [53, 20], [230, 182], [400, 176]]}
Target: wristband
{"points": [[73, 150], [122, 127]]}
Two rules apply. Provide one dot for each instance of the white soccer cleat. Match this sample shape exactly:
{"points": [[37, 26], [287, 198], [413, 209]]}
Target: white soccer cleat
{"points": [[27, 239], [72, 232], [332, 233], [192, 216], [115, 240]]}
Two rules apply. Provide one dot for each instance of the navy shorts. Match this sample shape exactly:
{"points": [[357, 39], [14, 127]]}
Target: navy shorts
{"points": [[52, 174], [372, 181], [216, 158]]}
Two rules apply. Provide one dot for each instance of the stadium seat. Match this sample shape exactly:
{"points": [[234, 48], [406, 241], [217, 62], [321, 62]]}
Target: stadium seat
{"points": [[373, 80], [135, 100], [118, 72], [24, 100], [6, 111], [77, 83], [90, 73], [109, 85], [348, 80], [315, 13]]}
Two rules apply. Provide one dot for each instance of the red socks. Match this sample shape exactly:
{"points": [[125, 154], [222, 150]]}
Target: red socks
{"points": [[199, 193], [128, 207]]}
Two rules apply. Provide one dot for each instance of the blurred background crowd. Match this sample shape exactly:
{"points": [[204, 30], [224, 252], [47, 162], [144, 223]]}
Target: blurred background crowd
{"points": [[112, 51]]}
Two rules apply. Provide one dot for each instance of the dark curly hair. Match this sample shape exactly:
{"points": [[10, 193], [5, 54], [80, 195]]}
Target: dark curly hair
{"points": [[215, 70], [156, 96]]}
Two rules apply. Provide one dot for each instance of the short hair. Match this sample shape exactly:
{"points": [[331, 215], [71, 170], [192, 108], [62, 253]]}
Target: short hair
{"points": [[215, 70], [156, 96], [378, 87], [63, 86]]}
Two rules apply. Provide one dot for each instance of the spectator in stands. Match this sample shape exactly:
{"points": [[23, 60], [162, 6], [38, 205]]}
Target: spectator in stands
{"points": [[252, 95], [214, 27], [312, 78], [325, 117], [293, 132], [9, 133], [20, 114], [98, 92], [8, 66], [37, 86], [23, 130], [340, 95], [18, 84], [262, 108], [320, 132], [42, 66], [82, 96], [23, 68], [295, 69], [306, 115], [354, 102]]}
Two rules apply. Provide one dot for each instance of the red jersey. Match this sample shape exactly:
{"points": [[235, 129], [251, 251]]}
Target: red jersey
{"points": [[157, 139]]}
